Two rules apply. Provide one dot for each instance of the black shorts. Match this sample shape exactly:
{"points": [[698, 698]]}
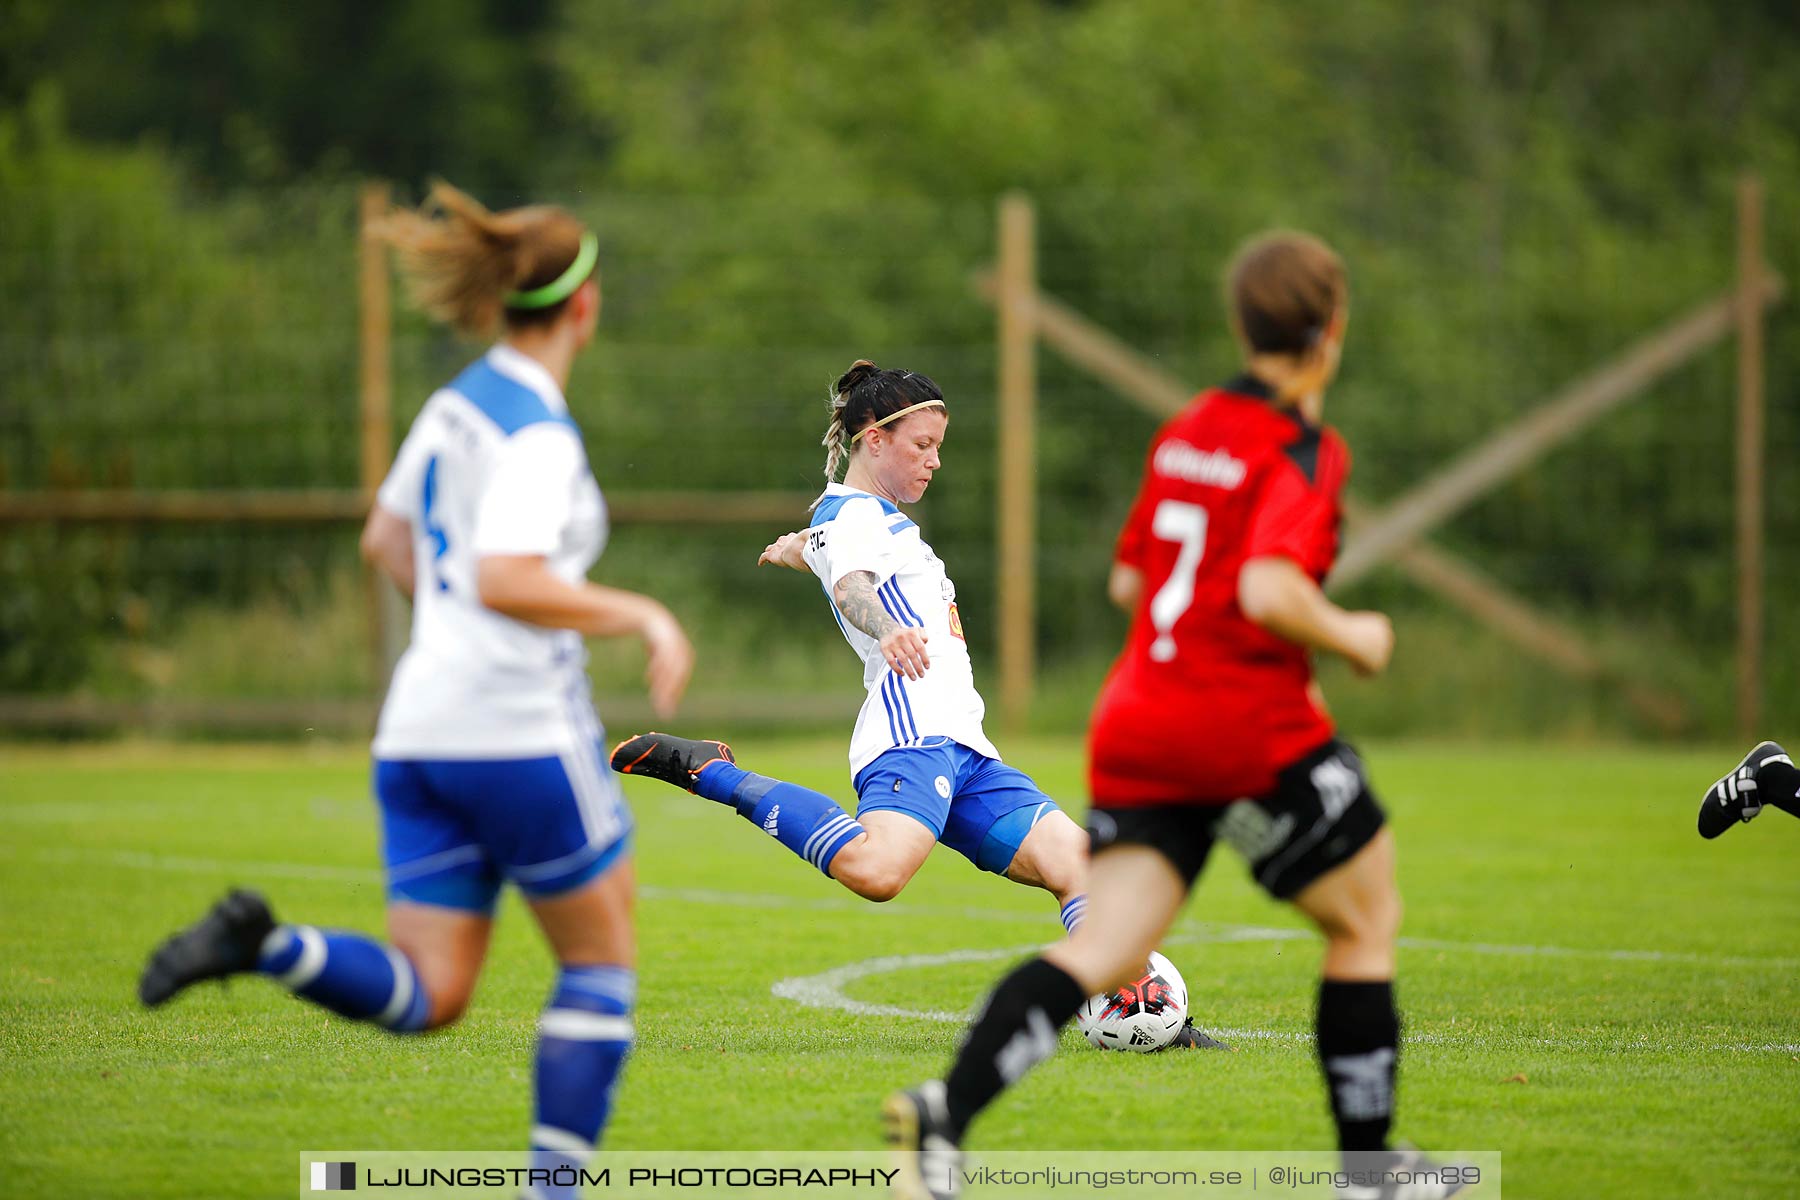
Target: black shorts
{"points": [[1319, 815]]}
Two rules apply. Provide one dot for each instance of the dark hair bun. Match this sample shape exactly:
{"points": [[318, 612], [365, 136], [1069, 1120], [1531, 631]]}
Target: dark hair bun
{"points": [[859, 370]]}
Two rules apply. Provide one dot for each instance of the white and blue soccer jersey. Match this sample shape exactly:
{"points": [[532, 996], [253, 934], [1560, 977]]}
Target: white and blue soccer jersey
{"points": [[492, 465], [855, 531]]}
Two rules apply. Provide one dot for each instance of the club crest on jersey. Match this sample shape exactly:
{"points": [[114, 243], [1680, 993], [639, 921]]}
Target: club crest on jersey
{"points": [[956, 622]]}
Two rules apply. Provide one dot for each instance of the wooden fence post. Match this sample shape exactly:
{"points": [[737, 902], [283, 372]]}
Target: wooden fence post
{"points": [[1749, 456], [1015, 432], [375, 410]]}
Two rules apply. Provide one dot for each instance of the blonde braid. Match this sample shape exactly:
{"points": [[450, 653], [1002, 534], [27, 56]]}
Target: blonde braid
{"points": [[836, 448], [833, 441]]}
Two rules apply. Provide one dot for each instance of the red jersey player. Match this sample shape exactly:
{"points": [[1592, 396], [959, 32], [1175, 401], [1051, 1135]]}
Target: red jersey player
{"points": [[1235, 478], [1209, 728]]}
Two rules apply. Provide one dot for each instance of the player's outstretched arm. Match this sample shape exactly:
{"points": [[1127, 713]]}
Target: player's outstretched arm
{"points": [[788, 550], [523, 587], [903, 646], [1276, 594]]}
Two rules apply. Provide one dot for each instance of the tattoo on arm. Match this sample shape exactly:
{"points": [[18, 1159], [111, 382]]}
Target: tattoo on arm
{"points": [[856, 599]]}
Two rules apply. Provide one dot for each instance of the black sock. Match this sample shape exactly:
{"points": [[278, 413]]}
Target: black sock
{"points": [[1359, 1048], [1778, 783], [1015, 1032]]}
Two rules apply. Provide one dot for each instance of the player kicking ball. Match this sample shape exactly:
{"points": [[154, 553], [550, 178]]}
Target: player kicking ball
{"points": [[922, 765]]}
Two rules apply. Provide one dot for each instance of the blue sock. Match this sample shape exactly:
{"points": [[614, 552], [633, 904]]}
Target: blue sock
{"points": [[352, 975], [1073, 911], [583, 1038], [807, 822]]}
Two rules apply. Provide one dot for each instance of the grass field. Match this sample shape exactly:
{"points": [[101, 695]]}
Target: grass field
{"points": [[1587, 987]]}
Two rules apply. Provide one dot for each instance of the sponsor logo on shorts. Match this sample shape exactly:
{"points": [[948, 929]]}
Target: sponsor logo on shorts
{"points": [[1338, 783], [1249, 829]]}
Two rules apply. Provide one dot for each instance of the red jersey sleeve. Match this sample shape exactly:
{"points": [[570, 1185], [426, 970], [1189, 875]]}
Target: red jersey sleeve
{"points": [[1298, 513]]}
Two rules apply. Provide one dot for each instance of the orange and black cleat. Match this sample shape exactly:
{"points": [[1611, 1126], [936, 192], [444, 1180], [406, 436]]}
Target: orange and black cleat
{"points": [[666, 757]]}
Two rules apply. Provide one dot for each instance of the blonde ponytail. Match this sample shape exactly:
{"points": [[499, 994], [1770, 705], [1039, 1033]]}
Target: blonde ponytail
{"points": [[461, 260]]}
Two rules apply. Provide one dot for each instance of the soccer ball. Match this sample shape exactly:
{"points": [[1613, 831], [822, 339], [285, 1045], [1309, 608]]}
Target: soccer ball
{"points": [[1143, 1016]]}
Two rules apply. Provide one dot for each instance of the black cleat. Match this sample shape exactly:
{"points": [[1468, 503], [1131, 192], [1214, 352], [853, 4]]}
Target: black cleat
{"points": [[226, 941], [1190, 1038], [1402, 1175], [926, 1157], [668, 758], [1735, 797]]}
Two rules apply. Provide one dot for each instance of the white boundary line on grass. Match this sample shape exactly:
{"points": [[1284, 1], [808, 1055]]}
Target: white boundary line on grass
{"points": [[825, 990], [1185, 932]]}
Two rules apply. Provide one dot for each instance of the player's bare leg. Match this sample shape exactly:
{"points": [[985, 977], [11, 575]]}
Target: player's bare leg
{"points": [[1053, 856], [1357, 907], [880, 863], [447, 947], [1134, 893]]}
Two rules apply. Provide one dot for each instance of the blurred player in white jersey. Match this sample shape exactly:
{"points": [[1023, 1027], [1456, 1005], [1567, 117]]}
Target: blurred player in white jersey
{"points": [[923, 769], [489, 759]]}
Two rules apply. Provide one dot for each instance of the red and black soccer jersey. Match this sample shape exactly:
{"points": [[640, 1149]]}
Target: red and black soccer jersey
{"points": [[1204, 706]]}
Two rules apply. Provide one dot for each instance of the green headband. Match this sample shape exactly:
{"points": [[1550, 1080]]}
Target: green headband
{"points": [[564, 285]]}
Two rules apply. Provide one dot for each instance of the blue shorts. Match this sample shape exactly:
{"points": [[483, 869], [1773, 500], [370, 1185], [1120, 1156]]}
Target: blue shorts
{"points": [[978, 806], [452, 830]]}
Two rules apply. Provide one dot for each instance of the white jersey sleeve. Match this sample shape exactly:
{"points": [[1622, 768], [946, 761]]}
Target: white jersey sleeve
{"points": [[857, 539], [527, 501], [402, 491]]}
